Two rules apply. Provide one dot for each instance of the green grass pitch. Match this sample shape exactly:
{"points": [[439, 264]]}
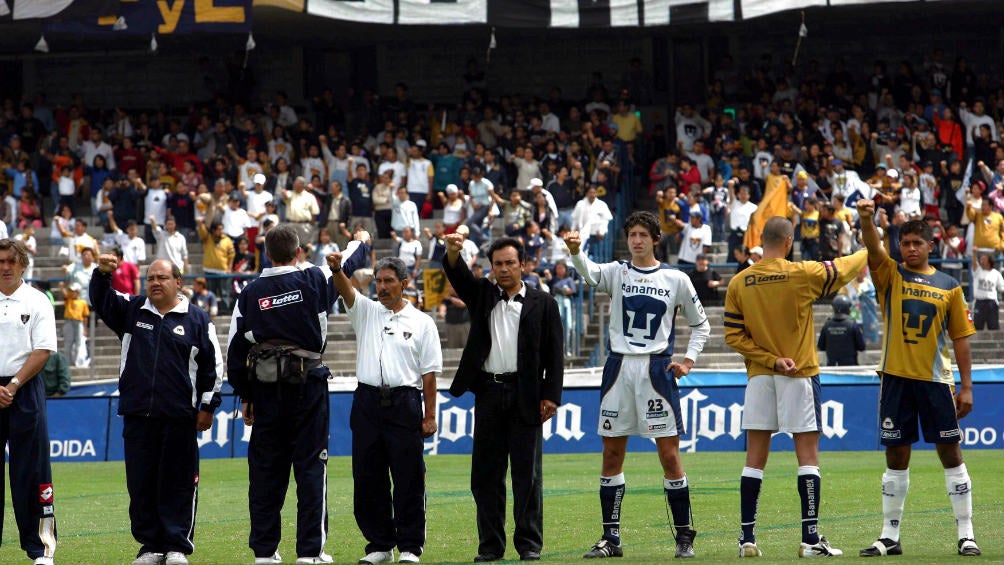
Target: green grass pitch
{"points": [[91, 508]]}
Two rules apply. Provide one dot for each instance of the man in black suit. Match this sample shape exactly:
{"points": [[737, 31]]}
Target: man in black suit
{"points": [[513, 364]]}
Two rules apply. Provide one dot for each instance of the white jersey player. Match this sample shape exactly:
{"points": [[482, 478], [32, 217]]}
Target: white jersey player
{"points": [[639, 391]]}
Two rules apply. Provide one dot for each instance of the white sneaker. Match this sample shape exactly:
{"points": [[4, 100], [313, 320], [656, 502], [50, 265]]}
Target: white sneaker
{"points": [[322, 558], [377, 557], [175, 558], [43, 561], [820, 549], [407, 557], [275, 558], [148, 558], [749, 549]]}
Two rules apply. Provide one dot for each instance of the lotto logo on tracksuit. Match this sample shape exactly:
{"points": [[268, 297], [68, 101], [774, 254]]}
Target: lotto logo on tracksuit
{"points": [[45, 493], [280, 300]]}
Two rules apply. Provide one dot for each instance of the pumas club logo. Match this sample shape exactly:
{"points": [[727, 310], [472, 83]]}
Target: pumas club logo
{"points": [[280, 300]]}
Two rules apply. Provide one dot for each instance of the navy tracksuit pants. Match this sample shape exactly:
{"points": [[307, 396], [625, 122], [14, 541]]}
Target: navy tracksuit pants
{"points": [[387, 445], [162, 474], [290, 429], [23, 425]]}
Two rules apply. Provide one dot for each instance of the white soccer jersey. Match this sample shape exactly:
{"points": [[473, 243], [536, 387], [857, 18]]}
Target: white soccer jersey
{"points": [[643, 306]]}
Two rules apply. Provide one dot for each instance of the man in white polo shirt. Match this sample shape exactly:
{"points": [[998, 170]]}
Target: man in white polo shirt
{"points": [[398, 356]]}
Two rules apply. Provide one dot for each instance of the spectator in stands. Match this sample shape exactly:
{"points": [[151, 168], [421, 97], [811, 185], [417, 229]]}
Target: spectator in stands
{"points": [[80, 271], [469, 250], [56, 375], [405, 213], [27, 237], [301, 209], [841, 337], [987, 283], [29, 210], [75, 315], [695, 237], [217, 255], [739, 213], [133, 247], [457, 319], [171, 244], [591, 218], [409, 250], [706, 281], [125, 278], [515, 212], [339, 215], [204, 298], [988, 228], [563, 285], [383, 204]]}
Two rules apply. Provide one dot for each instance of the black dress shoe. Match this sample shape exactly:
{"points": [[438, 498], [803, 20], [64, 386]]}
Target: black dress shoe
{"points": [[486, 557], [529, 556]]}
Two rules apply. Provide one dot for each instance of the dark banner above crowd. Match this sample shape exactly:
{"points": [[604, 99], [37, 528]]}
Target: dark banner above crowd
{"points": [[558, 13], [18, 10], [162, 17]]}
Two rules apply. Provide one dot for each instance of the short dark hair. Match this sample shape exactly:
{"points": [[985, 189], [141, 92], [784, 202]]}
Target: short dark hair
{"points": [[776, 230], [507, 242], [645, 219], [281, 243], [917, 227]]}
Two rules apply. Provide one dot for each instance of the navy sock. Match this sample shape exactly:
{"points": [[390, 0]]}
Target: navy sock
{"points": [[749, 493], [678, 497], [808, 490], [611, 495]]}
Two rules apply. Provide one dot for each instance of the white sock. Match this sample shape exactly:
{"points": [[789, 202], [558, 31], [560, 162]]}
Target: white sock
{"points": [[960, 493], [894, 486]]}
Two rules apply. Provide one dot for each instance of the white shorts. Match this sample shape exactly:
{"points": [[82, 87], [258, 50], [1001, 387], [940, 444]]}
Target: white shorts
{"points": [[778, 403], [639, 398]]}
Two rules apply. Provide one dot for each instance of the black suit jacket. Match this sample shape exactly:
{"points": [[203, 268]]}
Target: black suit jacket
{"points": [[540, 344]]}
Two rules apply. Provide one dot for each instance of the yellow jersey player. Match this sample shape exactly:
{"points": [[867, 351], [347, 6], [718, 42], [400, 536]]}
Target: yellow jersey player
{"points": [[924, 309], [768, 320]]}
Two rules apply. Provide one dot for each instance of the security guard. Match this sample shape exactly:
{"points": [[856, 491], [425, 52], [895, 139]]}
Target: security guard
{"points": [[277, 336], [28, 327], [169, 385], [841, 337]]}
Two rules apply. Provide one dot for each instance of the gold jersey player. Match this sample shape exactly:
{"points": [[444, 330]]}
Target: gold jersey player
{"points": [[768, 320], [924, 310], [639, 394]]}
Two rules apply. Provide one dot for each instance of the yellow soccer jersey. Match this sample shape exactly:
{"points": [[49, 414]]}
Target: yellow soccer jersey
{"points": [[768, 310], [923, 313]]}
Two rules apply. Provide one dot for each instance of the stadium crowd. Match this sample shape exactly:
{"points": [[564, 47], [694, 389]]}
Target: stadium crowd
{"points": [[923, 140]]}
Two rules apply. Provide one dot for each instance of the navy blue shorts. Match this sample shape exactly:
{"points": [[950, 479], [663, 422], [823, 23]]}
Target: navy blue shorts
{"points": [[904, 402]]}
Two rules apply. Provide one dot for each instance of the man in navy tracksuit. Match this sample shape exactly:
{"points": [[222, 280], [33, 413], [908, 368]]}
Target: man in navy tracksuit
{"points": [[285, 310], [169, 387]]}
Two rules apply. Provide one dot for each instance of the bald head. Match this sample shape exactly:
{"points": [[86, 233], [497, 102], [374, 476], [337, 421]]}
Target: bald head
{"points": [[776, 232]]}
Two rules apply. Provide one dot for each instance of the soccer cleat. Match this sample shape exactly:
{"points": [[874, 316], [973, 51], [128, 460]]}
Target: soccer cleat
{"points": [[377, 557], [322, 558], [749, 549], [175, 558], [149, 558], [407, 557], [604, 548], [685, 544], [271, 560], [819, 549], [968, 547], [883, 546], [43, 561]]}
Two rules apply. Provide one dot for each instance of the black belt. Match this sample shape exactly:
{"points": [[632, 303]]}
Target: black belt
{"points": [[500, 378]]}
